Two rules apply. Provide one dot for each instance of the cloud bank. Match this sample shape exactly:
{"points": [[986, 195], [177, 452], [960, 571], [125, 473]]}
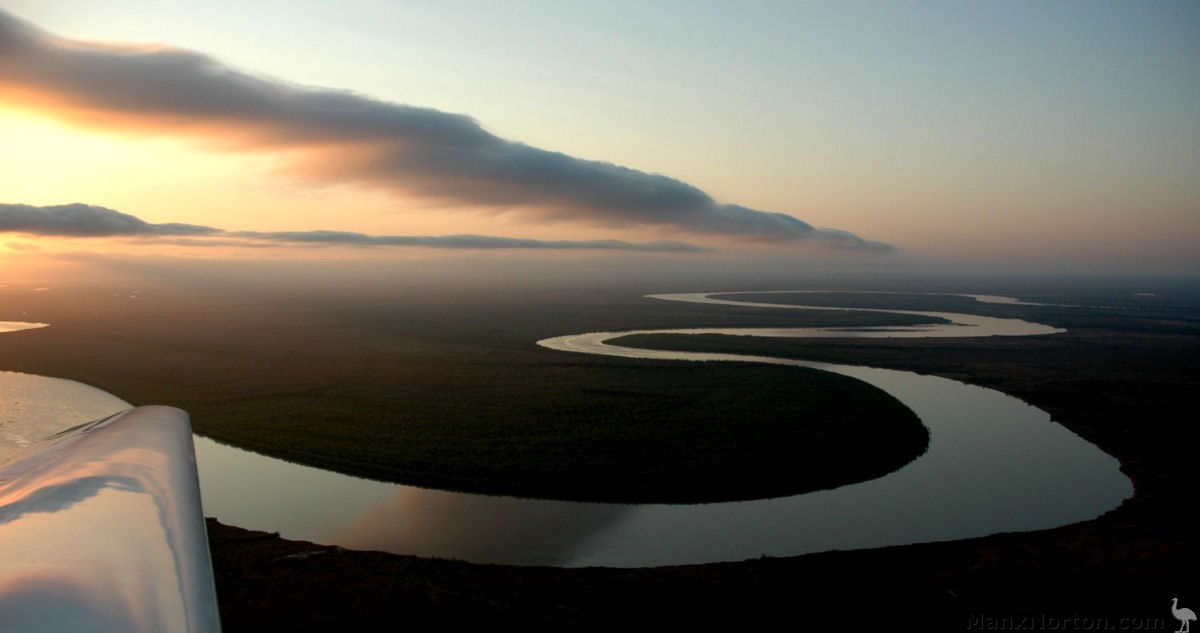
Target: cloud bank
{"points": [[346, 137], [83, 220]]}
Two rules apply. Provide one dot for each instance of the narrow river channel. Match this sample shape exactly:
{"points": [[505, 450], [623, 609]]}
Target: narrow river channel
{"points": [[994, 464]]}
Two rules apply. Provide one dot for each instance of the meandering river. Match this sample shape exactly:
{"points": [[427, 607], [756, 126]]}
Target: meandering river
{"points": [[994, 464]]}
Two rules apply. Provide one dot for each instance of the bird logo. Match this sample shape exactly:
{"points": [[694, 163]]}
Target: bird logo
{"points": [[1184, 615]]}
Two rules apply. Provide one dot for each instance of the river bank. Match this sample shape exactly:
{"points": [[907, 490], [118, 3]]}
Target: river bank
{"points": [[1118, 378], [1128, 563], [995, 465]]}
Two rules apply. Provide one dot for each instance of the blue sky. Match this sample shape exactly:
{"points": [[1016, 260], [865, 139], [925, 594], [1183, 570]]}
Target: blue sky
{"points": [[1063, 136]]}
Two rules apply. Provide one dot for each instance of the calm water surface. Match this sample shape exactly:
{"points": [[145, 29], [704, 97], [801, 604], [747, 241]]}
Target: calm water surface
{"points": [[994, 464], [13, 326]]}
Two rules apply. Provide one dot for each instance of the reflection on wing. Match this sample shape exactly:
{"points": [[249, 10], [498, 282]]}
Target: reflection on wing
{"points": [[101, 529]]}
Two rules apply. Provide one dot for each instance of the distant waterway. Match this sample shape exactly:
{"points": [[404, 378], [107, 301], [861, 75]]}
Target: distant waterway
{"points": [[14, 326], [994, 464]]}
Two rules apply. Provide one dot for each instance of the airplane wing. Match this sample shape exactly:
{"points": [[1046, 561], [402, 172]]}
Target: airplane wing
{"points": [[101, 528]]}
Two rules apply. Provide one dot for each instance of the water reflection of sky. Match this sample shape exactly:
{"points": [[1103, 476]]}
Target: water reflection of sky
{"points": [[15, 326], [995, 464], [312, 504]]}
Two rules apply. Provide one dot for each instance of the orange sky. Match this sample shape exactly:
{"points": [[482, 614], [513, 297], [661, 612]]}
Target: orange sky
{"points": [[1073, 176]]}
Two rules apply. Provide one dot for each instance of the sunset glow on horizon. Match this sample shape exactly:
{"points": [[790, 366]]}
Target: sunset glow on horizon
{"points": [[1030, 137]]}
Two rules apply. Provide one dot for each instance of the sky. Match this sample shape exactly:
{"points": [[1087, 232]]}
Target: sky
{"points": [[1026, 136]]}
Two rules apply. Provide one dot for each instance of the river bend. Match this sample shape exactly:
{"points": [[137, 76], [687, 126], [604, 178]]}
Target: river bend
{"points": [[994, 464]]}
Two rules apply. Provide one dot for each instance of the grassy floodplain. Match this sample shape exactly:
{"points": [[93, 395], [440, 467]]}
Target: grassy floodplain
{"points": [[431, 389], [1120, 377]]}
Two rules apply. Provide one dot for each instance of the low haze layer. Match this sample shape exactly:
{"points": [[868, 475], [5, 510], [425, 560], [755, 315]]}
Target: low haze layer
{"points": [[949, 136]]}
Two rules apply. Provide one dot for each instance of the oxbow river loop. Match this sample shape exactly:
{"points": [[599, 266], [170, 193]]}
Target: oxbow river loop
{"points": [[994, 464]]}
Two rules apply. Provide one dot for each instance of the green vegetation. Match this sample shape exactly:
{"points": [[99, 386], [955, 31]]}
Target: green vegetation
{"points": [[868, 300], [627, 431], [455, 395], [1119, 377]]}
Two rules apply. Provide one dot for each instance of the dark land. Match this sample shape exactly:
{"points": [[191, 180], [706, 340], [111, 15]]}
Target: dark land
{"points": [[446, 392], [1124, 377]]}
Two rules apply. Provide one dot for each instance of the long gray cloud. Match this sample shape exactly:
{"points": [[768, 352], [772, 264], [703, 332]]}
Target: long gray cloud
{"points": [[83, 220], [356, 138], [461, 241]]}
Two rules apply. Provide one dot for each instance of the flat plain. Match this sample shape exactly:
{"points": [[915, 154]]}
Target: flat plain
{"points": [[316, 376]]}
